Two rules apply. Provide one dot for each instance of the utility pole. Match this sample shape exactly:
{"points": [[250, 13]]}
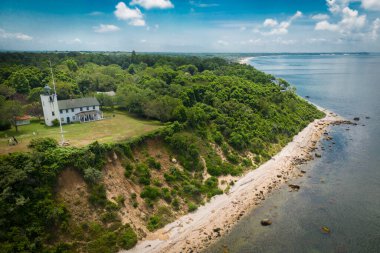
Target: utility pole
{"points": [[55, 97]]}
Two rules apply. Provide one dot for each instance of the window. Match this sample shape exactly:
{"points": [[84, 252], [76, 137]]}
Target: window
{"points": [[72, 110], [52, 113], [93, 107], [61, 111], [81, 109], [67, 110], [62, 120], [73, 117], [88, 108]]}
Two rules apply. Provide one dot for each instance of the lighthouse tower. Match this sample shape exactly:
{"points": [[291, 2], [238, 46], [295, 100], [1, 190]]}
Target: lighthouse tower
{"points": [[49, 105]]}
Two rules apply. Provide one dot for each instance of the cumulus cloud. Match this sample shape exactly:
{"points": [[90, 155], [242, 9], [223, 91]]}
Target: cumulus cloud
{"points": [[105, 28], [350, 22], [270, 22], [282, 27], [320, 17], [326, 26], [153, 4], [18, 36], [371, 4], [134, 16]]}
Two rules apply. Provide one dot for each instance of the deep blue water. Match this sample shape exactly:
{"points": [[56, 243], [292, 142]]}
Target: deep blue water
{"points": [[341, 190]]}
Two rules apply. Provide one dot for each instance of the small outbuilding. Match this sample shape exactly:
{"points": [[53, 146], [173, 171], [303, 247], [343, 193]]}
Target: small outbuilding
{"points": [[23, 120]]}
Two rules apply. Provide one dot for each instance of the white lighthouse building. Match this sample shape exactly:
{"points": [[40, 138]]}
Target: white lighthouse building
{"points": [[70, 110]]}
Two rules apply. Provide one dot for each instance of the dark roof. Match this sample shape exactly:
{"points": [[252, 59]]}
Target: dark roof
{"points": [[78, 102]]}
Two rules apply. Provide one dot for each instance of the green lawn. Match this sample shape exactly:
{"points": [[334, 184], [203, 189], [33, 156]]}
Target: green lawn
{"points": [[116, 126]]}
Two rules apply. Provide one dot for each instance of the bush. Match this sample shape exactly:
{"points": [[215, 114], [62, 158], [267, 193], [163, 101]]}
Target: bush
{"points": [[151, 193], [192, 207], [42, 144], [127, 238], [152, 163], [55, 122], [142, 173], [128, 170], [98, 196], [91, 175]]}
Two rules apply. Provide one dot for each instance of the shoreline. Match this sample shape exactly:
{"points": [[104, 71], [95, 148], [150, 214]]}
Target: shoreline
{"points": [[245, 60], [196, 231]]}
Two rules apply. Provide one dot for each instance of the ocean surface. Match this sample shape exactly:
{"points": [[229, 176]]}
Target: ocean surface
{"points": [[341, 190]]}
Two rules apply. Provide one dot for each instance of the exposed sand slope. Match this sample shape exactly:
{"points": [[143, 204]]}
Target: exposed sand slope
{"points": [[195, 231]]}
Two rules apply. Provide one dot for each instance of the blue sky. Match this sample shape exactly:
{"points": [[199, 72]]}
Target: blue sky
{"points": [[191, 26]]}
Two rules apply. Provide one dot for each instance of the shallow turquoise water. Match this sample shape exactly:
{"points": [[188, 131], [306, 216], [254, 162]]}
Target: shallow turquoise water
{"points": [[341, 190]]}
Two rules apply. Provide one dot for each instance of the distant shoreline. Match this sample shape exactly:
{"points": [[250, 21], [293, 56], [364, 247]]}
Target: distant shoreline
{"points": [[245, 60], [198, 230]]}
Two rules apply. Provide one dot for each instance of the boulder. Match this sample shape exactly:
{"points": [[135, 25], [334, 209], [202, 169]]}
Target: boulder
{"points": [[356, 118], [266, 222], [294, 187], [318, 155], [325, 230], [174, 160]]}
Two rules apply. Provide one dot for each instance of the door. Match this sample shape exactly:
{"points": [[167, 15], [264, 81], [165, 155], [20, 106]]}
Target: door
{"points": [[68, 120]]}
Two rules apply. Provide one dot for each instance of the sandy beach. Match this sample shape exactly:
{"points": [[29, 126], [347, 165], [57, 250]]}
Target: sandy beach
{"points": [[195, 231]]}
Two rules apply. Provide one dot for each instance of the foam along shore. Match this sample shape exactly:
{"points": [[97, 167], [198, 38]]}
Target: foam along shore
{"points": [[245, 60], [195, 231]]}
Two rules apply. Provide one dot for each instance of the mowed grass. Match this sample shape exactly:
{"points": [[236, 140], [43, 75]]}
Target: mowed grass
{"points": [[116, 126]]}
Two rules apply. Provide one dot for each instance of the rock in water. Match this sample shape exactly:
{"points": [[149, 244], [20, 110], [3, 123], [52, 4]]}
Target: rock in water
{"points": [[294, 187], [356, 118], [266, 222], [318, 155], [325, 230]]}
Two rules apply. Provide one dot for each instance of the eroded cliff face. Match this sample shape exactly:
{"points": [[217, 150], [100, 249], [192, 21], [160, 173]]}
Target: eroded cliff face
{"points": [[130, 204]]}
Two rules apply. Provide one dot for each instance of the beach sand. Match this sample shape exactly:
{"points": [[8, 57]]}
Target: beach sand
{"points": [[195, 231]]}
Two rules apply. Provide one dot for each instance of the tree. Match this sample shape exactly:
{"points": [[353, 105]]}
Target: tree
{"points": [[34, 109], [34, 94], [105, 100], [162, 108], [6, 91], [10, 110], [19, 81]]}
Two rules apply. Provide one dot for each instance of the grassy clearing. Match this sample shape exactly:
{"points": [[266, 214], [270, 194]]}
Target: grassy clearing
{"points": [[116, 127]]}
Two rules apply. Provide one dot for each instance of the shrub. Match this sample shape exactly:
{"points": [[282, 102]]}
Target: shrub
{"points": [[91, 175], [42, 144], [98, 195], [55, 122], [152, 163], [142, 173], [165, 193], [128, 170], [192, 207], [127, 238], [150, 192]]}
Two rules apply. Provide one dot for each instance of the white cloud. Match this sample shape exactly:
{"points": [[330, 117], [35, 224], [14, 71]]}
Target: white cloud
{"points": [[18, 36], [270, 22], [77, 40], [375, 29], [137, 22], [105, 28], [134, 16], [151, 4], [282, 27], [203, 5], [371, 4], [222, 43], [350, 22], [326, 26], [320, 17]]}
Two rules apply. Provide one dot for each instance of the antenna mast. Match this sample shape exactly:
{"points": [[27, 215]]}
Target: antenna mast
{"points": [[55, 97]]}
